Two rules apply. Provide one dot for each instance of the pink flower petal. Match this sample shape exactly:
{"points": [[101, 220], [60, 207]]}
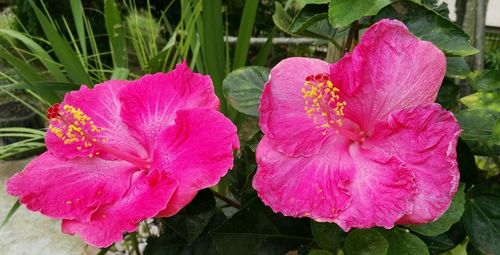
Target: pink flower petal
{"points": [[196, 151], [71, 189], [381, 190], [150, 103], [282, 114], [389, 70], [425, 138], [101, 104], [315, 187], [148, 194]]}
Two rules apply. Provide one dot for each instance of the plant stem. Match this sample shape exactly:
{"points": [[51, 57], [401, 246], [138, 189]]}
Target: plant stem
{"points": [[350, 37], [226, 200], [135, 243]]}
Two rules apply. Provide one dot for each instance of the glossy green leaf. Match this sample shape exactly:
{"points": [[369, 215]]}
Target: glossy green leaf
{"points": [[402, 242], [446, 241], [482, 100], [343, 12], [450, 217], [190, 221], [448, 94], [320, 252], [309, 22], [304, 2], [482, 221], [456, 67], [329, 236], [256, 229], [243, 88], [365, 242], [486, 80], [481, 130], [430, 26]]}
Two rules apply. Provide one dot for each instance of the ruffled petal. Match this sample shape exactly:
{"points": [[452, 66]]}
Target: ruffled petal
{"points": [[196, 151], [425, 139], [315, 187], [389, 70], [101, 104], [70, 189], [148, 194], [381, 191], [282, 114], [150, 103]]}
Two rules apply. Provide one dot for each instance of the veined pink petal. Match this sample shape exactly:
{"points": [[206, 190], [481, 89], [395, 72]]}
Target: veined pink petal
{"points": [[101, 104], [425, 139], [150, 103], [389, 70], [196, 151], [381, 190], [70, 189], [315, 187], [148, 194], [282, 115]]}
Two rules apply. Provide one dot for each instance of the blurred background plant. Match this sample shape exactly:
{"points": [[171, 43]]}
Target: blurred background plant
{"points": [[51, 47]]}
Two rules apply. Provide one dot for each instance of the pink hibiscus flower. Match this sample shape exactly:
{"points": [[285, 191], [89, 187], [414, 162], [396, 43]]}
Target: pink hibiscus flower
{"points": [[361, 142], [125, 151]]}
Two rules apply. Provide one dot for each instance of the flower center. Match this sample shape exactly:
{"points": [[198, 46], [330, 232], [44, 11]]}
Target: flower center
{"points": [[74, 127], [322, 102]]}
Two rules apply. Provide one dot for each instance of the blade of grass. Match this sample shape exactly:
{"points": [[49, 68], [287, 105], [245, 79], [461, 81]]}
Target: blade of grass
{"points": [[265, 51], [78, 15], [66, 55], [213, 46], [11, 212], [38, 52], [244, 33], [116, 34]]}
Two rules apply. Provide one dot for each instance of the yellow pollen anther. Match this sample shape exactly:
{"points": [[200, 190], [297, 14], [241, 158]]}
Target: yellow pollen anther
{"points": [[322, 102], [73, 126]]}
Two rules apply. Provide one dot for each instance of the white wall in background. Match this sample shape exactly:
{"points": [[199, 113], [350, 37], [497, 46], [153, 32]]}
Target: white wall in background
{"points": [[492, 15]]}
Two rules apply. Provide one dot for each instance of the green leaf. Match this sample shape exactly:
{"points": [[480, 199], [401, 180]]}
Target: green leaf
{"points": [[329, 236], [450, 217], [190, 221], [430, 26], [243, 88], [304, 2], [456, 67], [482, 221], [448, 94], [343, 12], [255, 228], [116, 34], [365, 242], [311, 21], [486, 80], [320, 252], [481, 130], [446, 241], [482, 100], [402, 242], [11, 212], [170, 243]]}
